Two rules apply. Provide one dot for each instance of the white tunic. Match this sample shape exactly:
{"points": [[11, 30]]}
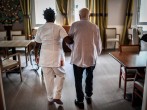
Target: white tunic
{"points": [[51, 37], [87, 43]]}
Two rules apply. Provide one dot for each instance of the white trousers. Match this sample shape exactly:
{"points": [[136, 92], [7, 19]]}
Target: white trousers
{"points": [[49, 76]]}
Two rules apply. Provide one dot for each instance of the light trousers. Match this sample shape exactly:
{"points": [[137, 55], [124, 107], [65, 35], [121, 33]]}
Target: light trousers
{"points": [[49, 74]]}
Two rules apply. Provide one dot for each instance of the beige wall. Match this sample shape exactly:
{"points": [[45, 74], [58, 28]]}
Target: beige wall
{"points": [[116, 14]]}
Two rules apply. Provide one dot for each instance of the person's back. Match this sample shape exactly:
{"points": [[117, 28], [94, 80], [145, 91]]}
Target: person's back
{"points": [[85, 49], [87, 36], [50, 37]]}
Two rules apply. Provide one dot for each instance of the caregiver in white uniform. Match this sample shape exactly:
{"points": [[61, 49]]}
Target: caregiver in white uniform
{"points": [[50, 37]]}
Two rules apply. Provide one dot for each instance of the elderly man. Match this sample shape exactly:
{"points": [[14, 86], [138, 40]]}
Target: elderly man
{"points": [[85, 49]]}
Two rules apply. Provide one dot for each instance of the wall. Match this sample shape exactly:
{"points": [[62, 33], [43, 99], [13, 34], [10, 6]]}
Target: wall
{"points": [[116, 14]]}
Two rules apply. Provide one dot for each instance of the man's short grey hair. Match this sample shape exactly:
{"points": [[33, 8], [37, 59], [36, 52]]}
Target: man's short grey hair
{"points": [[84, 13]]}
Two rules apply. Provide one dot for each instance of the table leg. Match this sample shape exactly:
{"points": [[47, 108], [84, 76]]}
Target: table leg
{"points": [[26, 55], [14, 51]]}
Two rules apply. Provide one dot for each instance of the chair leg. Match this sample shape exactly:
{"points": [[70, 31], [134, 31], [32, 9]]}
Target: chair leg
{"points": [[31, 57], [114, 45], [133, 99], [20, 73], [120, 77], [42, 72], [26, 57], [125, 84]]}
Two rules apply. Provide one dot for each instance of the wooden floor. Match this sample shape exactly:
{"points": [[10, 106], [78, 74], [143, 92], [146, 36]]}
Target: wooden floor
{"points": [[31, 94]]}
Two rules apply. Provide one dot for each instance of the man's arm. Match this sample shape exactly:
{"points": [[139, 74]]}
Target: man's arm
{"points": [[36, 51], [68, 40]]}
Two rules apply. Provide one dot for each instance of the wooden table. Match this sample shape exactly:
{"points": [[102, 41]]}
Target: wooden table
{"points": [[15, 44], [131, 61]]}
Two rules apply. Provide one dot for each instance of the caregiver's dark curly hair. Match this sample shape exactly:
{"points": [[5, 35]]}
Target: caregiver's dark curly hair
{"points": [[49, 15]]}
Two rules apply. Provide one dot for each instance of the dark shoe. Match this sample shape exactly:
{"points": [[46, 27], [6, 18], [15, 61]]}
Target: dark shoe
{"points": [[88, 100], [58, 101], [79, 104], [60, 108], [50, 102]]}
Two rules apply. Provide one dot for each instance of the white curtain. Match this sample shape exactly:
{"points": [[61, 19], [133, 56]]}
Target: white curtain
{"points": [[70, 14]]}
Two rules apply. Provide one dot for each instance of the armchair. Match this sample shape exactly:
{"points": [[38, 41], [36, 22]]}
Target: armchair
{"points": [[111, 36]]}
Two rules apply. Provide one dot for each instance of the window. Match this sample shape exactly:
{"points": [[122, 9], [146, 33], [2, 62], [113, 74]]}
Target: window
{"points": [[40, 6], [79, 4], [142, 20]]}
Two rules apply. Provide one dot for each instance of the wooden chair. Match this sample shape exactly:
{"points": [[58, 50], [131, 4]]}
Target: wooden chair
{"points": [[133, 36], [25, 50], [111, 36], [127, 74], [8, 64], [3, 36], [15, 32], [130, 34], [138, 87]]}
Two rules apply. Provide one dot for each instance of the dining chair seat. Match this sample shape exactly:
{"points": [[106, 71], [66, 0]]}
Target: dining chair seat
{"points": [[129, 71], [8, 63], [113, 40]]}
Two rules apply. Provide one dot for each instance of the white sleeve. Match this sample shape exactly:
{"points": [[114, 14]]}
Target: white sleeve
{"points": [[98, 42], [63, 33], [38, 35]]}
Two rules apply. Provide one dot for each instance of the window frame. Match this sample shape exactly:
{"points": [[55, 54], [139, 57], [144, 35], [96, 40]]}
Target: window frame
{"points": [[138, 16]]}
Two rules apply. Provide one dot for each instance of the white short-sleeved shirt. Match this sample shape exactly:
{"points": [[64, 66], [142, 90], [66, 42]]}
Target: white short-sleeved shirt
{"points": [[87, 43], [51, 37]]}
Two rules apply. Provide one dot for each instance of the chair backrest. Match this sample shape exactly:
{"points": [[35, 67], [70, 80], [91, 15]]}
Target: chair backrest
{"points": [[33, 33], [3, 35], [130, 33], [18, 37], [140, 31], [135, 37], [15, 32], [110, 32], [129, 48]]}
